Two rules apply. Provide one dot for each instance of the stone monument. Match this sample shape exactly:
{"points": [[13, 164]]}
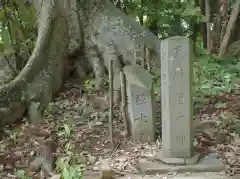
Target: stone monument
{"points": [[177, 152], [176, 98], [141, 105]]}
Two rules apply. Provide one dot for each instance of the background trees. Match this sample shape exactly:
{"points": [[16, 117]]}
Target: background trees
{"points": [[43, 45], [212, 26]]}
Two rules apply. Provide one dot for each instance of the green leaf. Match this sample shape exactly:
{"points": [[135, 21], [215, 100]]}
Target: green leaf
{"points": [[66, 174], [6, 39], [2, 15], [21, 174], [67, 130]]}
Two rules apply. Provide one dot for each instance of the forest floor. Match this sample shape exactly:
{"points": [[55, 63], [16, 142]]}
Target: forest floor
{"points": [[81, 122]]}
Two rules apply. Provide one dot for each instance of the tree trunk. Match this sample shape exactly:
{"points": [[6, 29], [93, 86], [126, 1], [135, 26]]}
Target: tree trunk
{"points": [[229, 29], [207, 14], [153, 27], [194, 27], [217, 26], [141, 14], [225, 20], [100, 29], [202, 25], [111, 29], [236, 32], [42, 75]]}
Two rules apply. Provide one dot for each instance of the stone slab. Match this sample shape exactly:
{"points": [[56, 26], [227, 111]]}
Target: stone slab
{"points": [[199, 175], [35, 114], [178, 161], [106, 170], [141, 114], [208, 175], [141, 103], [206, 164], [176, 97]]}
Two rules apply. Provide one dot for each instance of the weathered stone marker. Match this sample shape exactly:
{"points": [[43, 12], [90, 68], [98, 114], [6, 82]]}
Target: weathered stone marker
{"points": [[106, 170], [176, 97], [141, 110], [177, 144]]}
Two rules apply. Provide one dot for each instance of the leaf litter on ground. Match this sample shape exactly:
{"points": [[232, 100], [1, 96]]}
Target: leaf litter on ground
{"points": [[83, 135]]}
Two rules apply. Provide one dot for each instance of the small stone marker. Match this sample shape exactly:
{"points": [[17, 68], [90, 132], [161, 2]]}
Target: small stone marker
{"points": [[35, 113], [140, 103], [106, 170], [176, 98]]}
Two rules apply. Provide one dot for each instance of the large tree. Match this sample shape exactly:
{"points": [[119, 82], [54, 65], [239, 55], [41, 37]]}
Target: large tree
{"points": [[67, 28]]}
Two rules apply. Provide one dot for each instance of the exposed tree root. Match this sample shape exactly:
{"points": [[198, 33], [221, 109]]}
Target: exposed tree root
{"points": [[15, 95]]}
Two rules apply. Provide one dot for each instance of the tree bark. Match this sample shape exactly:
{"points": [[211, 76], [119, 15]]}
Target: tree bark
{"points": [[229, 29], [60, 34], [40, 77], [109, 27], [217, 25], [225, 19], [207, 14], [203, 25]]}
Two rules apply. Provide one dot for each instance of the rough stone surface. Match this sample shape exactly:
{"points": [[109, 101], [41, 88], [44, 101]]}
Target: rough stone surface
{"points": [[111, 27], [202, 175], [176, 98], [141, 110], [47, 69], [138, 54], [207, 164], [182, 176], [106, 171], [178, 161], [35, 114]]}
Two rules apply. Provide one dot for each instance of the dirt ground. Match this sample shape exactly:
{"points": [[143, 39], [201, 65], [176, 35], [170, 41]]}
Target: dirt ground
{"points": [[80, 122]]}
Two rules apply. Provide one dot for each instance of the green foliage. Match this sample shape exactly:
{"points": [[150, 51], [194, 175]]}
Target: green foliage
{"points": [[68, 169], [212, 78], [18, 26], [21, 174], [90, 83], [172, 17], [234, 48], [66, 131], [235, 128]]}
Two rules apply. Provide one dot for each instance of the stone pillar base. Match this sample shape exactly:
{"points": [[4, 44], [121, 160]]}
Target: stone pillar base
{"points": [[161, 165], [178, 161]]}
